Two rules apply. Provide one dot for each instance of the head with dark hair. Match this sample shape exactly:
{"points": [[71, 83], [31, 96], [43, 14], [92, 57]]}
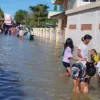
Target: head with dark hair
{"points": [[93, 51], [90, 69], [86, 39], [69, 43]]}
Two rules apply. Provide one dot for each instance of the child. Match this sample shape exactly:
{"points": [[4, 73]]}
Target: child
{"points": [[81, 75], [21, 33], [84, 47], [94, 56], [31, 35], [98, 66], [67, 55]]}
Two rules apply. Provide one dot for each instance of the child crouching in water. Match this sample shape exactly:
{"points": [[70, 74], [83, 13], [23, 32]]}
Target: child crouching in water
{"points": [[81, 75], [96, 60], [67, 56]]}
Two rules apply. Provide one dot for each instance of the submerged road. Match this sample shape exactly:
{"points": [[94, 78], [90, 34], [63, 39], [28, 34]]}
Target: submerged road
{"points": [[30, 71]]}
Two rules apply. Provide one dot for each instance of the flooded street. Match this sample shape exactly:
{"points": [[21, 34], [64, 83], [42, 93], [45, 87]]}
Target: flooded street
{"points": [[31, 71]]}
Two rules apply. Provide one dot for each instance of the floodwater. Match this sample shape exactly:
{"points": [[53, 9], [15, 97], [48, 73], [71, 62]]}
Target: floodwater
{"points": [[31, 71]]}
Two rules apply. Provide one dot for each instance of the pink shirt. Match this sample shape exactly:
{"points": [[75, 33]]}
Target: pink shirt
{"points": [[67, 55]]}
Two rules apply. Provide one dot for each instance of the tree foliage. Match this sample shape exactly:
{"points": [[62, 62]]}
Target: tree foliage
{"points": [[20, 16], [1, 18], [1, 14], [38, 17], [55, 7], [40, 12]]}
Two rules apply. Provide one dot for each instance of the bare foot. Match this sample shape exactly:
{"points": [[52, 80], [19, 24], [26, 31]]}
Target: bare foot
{"points": [[85, 90], [65, 74], [77, 90], [74, 90]]}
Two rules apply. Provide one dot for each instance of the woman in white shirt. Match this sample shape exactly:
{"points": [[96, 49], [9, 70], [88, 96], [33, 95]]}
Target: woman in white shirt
{"points": [[83, 47], [83, 55], [21, 33], [31, 35]]}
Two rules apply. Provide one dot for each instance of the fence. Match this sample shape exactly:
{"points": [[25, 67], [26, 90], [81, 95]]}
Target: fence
{"points": [[52, 34]]}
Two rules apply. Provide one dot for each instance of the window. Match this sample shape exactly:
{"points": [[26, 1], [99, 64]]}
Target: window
{"points": [[73, 1], [92, 0], [89, 0]]}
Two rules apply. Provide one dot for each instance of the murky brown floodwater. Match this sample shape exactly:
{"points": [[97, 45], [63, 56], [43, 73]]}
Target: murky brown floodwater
{"points": [[30, 71]]}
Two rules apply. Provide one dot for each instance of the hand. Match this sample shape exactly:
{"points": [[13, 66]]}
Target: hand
{"points": [[80, 59]]}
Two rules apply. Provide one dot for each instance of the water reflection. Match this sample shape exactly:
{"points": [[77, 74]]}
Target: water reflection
{"points": [[31, 71], [10, 87], [80, 96]]}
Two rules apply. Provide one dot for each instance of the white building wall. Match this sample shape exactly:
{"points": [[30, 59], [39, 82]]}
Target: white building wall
{"points": [[87, 17], [82, 3], [73, 20], [53, 34]]}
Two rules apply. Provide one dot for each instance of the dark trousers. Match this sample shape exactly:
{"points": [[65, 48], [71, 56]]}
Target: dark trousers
{"points": [[31, 37]]}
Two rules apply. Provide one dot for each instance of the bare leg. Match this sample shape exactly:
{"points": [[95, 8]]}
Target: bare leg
{"points": [[74, 88], [68, 72], [76, 85], [84, 87]]}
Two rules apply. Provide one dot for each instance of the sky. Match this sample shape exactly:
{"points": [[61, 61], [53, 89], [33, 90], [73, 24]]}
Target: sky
{"points": [[11, 6]]}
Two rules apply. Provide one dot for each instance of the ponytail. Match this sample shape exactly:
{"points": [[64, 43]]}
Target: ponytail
{"points": [[82, 39], [87, 36]]}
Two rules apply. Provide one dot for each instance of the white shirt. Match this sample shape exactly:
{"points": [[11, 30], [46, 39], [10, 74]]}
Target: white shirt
{"points": [[0, 30], [67, 55], [21, 33], [98, 66], [84, 50], [32, 33]]}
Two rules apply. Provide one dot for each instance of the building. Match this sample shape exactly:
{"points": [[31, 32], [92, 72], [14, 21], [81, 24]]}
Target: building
{"points": [[79, 17], [8, 19]]}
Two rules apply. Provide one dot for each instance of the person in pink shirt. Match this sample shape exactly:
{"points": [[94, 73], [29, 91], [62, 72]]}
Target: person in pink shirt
{"points": [[67, 56]]}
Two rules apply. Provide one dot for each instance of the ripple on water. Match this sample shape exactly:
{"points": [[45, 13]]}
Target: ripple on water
{"points": [[10, 87]]}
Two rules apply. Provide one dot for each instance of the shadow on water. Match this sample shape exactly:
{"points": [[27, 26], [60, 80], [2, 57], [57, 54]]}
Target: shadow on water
{"points": [[10, 87]]}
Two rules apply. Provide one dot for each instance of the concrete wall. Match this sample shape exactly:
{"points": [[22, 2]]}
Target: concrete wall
{"points": [[52, 34], [87, 22]]}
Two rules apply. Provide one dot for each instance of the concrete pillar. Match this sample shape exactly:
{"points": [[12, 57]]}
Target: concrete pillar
{"points": [[51, 29], [48, 33], [45, 32], [35, 32], [65, 33], [38, 32], [57, 33], [41, 33], [34, 29]]}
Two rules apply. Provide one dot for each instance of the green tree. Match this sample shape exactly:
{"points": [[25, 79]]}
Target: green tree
{"points": [[1, 14], [1, 18], [30, 20], [55, 7], [40, 12], [20, 16]]}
